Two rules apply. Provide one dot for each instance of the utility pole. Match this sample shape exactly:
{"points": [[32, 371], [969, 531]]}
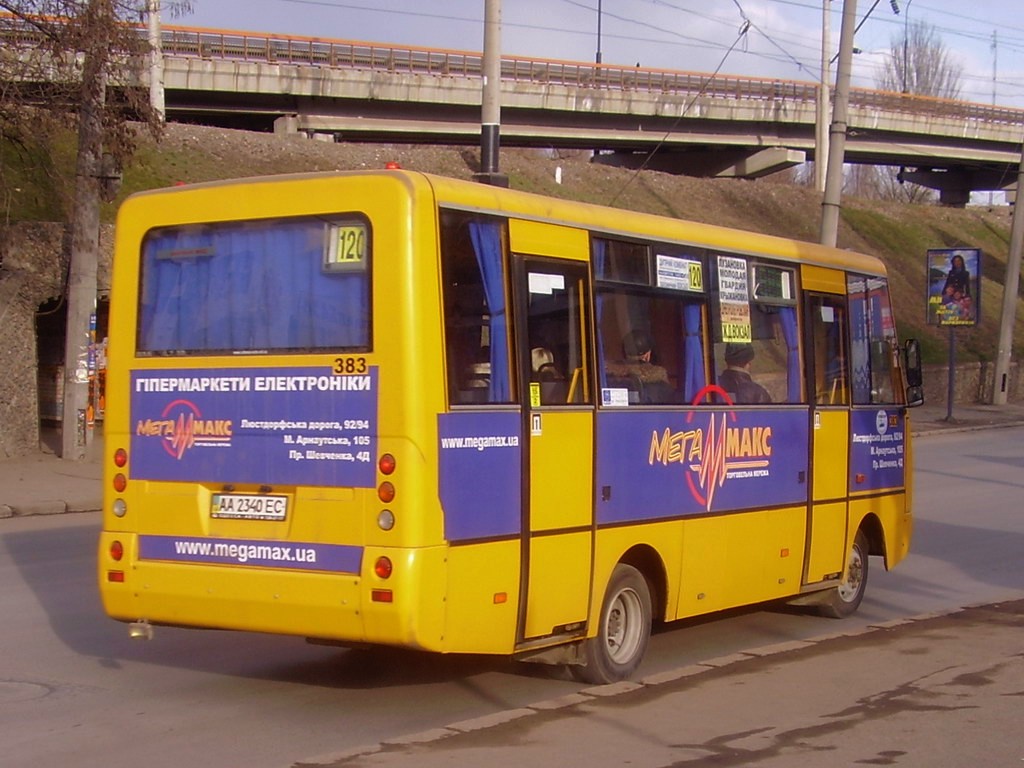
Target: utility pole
{"points": [[77, 415], [156, 60], [837, 145], [490, 128], [821, 122], [995, 56], [906, 43], [1009, 314], [598, 58]]}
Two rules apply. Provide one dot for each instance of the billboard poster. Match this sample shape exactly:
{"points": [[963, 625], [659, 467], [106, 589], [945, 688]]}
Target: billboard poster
{"points": [[954, 286]]}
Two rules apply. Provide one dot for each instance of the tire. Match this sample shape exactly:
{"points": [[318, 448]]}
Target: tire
{"points": [[843, 601], [623, 632]]}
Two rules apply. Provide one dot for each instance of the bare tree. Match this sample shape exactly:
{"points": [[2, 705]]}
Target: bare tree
{"points": [[58, 62], [921, 64]]}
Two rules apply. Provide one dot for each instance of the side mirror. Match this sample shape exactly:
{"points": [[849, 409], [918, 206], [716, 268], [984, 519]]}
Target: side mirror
{"points": [[912, 368], [915, 396]]}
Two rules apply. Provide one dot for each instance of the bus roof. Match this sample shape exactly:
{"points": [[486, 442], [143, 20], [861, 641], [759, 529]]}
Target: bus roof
{"points": [[625, 223], [613, 222]]}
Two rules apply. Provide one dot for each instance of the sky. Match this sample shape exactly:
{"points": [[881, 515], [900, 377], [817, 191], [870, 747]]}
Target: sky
{"points": [[783, 39]]}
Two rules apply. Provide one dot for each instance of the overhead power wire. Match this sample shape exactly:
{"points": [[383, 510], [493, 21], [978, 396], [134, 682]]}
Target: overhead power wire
{"points": [[744, 28]]}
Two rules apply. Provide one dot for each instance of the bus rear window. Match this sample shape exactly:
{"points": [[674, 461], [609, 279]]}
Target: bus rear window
{"points": [[278, 285]]}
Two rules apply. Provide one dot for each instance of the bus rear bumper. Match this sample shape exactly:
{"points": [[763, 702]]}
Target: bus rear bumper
{"points": [[342, 607]]}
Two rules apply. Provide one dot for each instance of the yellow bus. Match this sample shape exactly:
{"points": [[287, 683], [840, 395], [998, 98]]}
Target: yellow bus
{"points": [[390, 408]]}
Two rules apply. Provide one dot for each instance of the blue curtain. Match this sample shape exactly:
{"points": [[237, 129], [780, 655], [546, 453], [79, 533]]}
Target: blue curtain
{"points": [[693, 353], [486, 237], [794, 373], [860, 356], [600, 250], [249, 287]]}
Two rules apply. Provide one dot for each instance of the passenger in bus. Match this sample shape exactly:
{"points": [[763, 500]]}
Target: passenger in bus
{"points": [[648, 380], [543, 363], [736, 379]]}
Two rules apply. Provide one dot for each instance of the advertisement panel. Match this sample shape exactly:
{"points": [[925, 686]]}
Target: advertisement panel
{"points": [[669, 465], [954, 286], [272, 426]]}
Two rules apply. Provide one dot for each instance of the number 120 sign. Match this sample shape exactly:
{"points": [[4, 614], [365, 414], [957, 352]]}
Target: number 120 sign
{"points": [[346, 248]]}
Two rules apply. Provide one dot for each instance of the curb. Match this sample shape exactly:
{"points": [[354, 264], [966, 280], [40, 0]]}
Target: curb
{"points": [[957, 428], [47, 508]]}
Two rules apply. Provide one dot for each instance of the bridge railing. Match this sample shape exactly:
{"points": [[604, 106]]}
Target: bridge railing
{"points": [[287, 49], [320, 52]]}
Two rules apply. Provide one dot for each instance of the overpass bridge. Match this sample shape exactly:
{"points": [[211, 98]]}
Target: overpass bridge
{"points": [[701, 124]]}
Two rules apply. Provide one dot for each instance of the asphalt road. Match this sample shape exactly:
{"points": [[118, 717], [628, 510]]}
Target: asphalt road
{"points": [[74, 690]]}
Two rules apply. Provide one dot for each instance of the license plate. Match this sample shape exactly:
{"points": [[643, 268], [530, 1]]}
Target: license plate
{"points": [[247, 506]]}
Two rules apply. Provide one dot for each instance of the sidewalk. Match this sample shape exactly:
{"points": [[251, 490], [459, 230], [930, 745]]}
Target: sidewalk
{"points": [[41, 483], [939, 691]]}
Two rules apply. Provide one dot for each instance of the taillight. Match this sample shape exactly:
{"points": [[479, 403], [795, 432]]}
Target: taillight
{"points": [[383, 567], [116, 550], [120, 482], [386, 492], [386, 464], [120, 458]]}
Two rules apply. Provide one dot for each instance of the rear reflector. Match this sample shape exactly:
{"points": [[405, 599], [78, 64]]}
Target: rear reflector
{"points": [[382, 596], [115, 576]]}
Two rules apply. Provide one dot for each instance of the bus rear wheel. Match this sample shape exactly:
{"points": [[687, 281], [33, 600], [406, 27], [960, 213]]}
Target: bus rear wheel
{"points": [[844, 600], [623, 633]]}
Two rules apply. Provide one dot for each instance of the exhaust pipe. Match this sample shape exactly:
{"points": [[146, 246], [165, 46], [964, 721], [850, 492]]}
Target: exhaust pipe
{"points": [[140, 630]]}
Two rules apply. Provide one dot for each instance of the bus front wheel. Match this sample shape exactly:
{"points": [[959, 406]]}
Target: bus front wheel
{"points": [[844, 600], [623, 633]]}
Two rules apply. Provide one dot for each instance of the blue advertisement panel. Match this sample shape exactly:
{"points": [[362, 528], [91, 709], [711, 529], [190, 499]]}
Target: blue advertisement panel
{"points": [[305, 556], [661, 465], [273, 426], [480, 474], [877, 443]]}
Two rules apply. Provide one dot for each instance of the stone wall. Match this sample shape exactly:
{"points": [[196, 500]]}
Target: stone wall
{"points": [[32, 271], [972, 383]]}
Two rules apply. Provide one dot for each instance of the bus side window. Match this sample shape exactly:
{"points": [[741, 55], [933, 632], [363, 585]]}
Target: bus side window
{"points": [[872, 341], [557, 300], [827, 319], [475, 316], [651, 322], [757, 352]]}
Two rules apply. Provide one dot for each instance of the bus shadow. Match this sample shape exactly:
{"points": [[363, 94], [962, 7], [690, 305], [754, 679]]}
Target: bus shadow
{"points": [[54, 567]]}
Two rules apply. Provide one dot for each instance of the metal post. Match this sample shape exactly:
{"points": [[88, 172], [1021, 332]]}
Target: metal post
{"points": [[598, 59], [491, 123], [837, 146], [1010, 287], [951, 379]]}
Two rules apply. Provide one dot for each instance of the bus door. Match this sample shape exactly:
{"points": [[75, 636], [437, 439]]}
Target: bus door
{"points": [[829, 391], [552, 301]]}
